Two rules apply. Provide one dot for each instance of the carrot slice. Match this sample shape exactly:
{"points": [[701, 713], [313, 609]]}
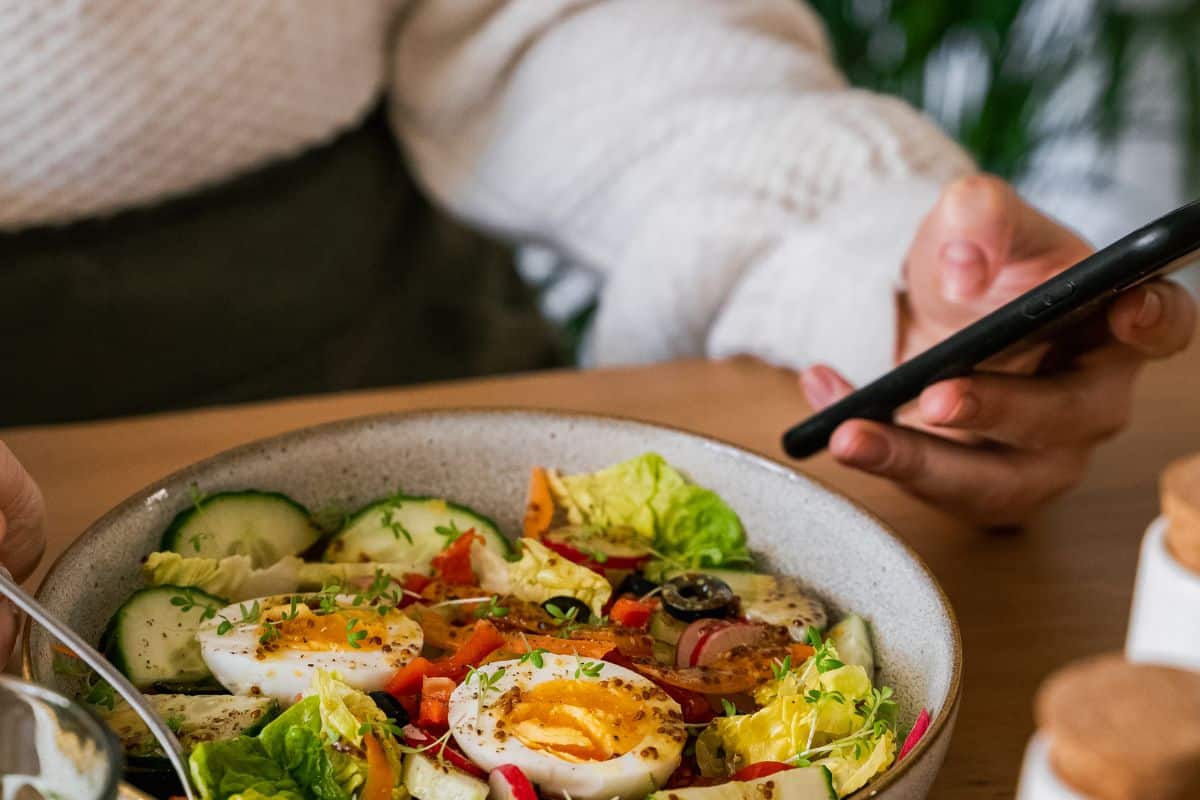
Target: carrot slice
{"points": [[539, 506], [586, 648], [380, 778], [484, 639]]}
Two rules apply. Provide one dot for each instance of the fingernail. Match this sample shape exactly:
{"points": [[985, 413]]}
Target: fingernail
{"points": [[964, 271], [947, 407], [818, 387], [867, 450], [1151, 311]]}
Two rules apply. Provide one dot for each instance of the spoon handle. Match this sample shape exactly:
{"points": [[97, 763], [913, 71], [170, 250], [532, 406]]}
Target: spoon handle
{"points": [[101, 666]]}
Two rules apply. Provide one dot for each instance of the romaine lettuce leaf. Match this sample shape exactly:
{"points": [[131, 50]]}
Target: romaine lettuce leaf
{"points": [[540, 574], [232, 577], [347, 715], [686, 523], [295, 741], [240, 768]]}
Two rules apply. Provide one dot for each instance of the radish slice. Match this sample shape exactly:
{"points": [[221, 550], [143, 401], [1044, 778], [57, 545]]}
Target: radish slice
{"points": [[509, 783], [918, 730], [716, 640], [596, 552], [693, 636], [415, 737]]}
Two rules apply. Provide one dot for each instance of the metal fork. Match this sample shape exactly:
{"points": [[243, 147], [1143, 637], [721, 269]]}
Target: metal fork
{"points": [[102, 667]]}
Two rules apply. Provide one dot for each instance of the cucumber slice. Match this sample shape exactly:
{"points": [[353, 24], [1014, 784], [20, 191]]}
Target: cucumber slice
{"points": [[802, 783], [426, 779], [852, 639], [152, 637], [665, 628], [263, 525], [194, 718], [410, 531]]}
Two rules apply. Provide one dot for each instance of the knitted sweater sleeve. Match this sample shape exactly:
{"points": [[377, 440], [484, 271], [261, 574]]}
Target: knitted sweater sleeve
{"points": [[704, 155]]}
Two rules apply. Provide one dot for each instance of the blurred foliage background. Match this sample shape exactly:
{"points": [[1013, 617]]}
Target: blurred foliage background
{"points": [[1008, 77]]}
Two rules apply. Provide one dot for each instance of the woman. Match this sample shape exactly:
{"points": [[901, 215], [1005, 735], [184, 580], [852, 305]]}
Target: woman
{"points": [[204, 204]]}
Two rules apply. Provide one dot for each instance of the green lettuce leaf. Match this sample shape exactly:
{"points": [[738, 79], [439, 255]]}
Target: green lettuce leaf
{"points": [[240, 769], [295, 741], [688, 524]]}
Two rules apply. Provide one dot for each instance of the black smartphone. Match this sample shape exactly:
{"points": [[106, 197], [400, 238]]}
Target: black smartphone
{"points": [[1065, 300]]}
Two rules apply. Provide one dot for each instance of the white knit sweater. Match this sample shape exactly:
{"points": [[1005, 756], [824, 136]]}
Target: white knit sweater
{"points": [[703, 155]]}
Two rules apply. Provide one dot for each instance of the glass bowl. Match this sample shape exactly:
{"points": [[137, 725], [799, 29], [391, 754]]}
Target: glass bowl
{"points": [[52, 748]]}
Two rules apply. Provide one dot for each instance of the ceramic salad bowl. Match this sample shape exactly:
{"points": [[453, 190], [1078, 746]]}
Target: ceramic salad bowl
{"points": [[794, 526]]}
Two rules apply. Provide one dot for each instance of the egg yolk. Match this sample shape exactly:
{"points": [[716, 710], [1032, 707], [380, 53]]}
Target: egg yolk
{"points": [[582, 720], [340, 630]]}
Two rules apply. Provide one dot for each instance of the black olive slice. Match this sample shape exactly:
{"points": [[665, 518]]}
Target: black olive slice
{"points": [[694, 596]]}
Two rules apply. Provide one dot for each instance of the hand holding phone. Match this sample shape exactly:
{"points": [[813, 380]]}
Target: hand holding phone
{"points": [[1029, 451]]}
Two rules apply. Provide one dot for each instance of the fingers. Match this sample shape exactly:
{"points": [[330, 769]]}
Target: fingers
{"points": [[1034, 413], [823, 385], [976, 218], [1156, 320], [22, 516], [992, 487]]}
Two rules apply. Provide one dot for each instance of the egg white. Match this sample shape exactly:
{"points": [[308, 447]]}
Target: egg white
{"points": [[643, 769], [240, 664]]}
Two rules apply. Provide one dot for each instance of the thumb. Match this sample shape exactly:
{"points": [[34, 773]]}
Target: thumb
{"points": [[971, 233], [823, 386]]}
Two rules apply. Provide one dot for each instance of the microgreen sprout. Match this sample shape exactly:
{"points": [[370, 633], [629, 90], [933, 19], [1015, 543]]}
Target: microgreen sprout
{"points": [[187, 601], [534, 657], [249, 615], [385, 726], [354, 637], [492, 609], [823, 655], [389, 521], [95, 691], [876, 712], [590, 669], [270, 632], [559, 616], [450, 532]]}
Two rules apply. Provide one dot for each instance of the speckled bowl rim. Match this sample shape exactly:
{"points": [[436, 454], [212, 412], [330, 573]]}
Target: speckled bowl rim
{"points": [[937, 729]]}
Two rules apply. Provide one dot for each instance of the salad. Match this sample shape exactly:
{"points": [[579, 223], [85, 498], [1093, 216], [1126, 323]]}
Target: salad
{"points": [[622, 646]]}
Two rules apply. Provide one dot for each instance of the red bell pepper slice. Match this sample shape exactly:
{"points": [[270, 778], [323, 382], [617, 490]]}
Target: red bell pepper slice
{"points": [[435, 703], [630, 612], [760, 769], [454, 563]]}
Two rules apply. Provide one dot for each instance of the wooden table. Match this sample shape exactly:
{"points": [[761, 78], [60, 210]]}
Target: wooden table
{"points": [[1027, 602]]}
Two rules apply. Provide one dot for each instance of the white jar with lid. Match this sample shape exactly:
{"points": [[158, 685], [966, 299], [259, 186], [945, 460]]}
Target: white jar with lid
{"points": [[1111, 729], [1164, 624]]}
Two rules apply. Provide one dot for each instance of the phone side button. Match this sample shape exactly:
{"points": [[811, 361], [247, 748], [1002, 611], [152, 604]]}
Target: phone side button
{"points": [[1047, 299]]}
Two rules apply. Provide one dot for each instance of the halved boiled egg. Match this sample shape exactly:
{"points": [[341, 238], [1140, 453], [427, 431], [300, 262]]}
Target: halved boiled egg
{"points": [[272, 646], [590, 730]]}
